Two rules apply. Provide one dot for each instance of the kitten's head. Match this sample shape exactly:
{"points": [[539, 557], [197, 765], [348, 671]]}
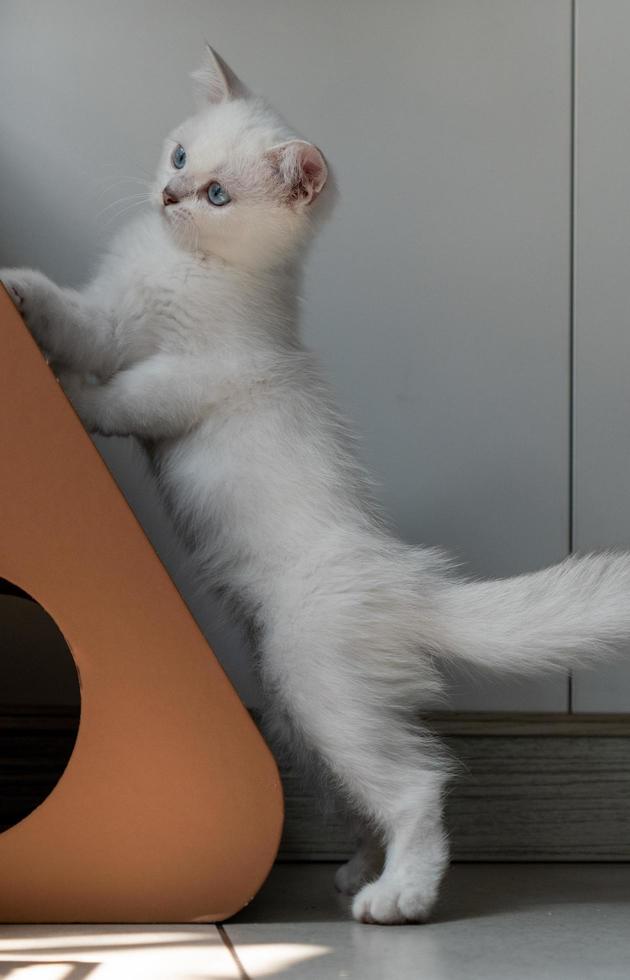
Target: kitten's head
{"points": [[234, 181]]}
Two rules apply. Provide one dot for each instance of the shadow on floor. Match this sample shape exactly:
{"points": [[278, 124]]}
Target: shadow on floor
{"points": [[70, 970], [469, 891]]}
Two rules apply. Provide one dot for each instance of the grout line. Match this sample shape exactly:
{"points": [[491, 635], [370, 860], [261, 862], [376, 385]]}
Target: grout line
{"points": [[572, 359], [229, 945]]}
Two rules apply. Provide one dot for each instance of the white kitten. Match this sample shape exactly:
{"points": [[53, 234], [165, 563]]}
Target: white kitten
{"points": [[187, 339]]}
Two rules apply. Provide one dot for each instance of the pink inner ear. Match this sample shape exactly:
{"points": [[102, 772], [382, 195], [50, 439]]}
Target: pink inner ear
{"points": [[313, 168], [300, 168]]}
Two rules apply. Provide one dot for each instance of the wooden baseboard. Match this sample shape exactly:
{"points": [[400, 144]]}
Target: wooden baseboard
{"points": [[489, 723], [531, 787]]}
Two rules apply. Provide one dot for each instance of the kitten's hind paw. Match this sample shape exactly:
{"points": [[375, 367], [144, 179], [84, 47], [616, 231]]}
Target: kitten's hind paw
{"points": [[365, 865], [349, 879], [390, 902]]}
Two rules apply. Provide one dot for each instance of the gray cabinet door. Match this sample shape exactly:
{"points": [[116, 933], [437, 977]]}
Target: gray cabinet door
{"points": [[602, 308]]}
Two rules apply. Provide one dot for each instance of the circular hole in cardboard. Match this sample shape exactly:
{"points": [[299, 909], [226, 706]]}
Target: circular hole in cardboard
{"points": [[40, 704]]}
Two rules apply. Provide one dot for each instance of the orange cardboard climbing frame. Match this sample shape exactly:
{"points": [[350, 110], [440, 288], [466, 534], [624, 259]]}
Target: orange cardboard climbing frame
{"points": [[170, 808]]}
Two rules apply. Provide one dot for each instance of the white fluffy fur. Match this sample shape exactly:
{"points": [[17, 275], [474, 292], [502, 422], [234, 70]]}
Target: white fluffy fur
{"points": [[187, 339]]}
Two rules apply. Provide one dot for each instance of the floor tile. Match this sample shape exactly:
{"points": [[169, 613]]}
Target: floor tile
{"points": [[494, 922], [81, 952]]}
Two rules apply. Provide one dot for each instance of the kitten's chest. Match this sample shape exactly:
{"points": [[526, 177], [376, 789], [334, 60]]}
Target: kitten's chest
{"points": [[154, 313]]}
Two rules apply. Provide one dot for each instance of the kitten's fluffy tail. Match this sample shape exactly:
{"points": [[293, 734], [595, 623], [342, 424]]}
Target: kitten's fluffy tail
{"points": [[560, 617]]}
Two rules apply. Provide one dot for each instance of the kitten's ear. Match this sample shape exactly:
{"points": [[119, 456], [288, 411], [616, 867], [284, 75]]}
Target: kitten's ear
{"points": [[215, 81], [300, 169]]}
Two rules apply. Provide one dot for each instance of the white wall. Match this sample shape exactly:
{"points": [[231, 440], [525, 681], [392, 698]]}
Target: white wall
{"points": [[438, 296], [602, 310]]}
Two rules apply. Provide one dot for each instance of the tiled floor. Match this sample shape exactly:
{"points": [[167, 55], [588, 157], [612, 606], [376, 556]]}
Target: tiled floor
{"points": [[496, 922]]}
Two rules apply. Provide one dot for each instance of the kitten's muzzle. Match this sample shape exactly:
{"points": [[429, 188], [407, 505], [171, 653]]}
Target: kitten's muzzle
{"points": [[169, 196]]}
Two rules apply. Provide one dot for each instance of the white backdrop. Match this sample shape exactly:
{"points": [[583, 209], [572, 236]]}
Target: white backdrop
{"points": [[438, 295]]}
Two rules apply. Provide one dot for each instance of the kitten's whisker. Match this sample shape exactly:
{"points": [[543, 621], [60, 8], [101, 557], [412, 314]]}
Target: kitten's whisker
{"points": [[129, 207], [114, 177], [140, 198], [108, 183]]}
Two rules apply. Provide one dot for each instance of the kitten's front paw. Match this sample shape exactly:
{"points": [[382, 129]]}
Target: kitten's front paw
{"points": [[28, 289], [19, 284], [13, 288], [390, 901]]}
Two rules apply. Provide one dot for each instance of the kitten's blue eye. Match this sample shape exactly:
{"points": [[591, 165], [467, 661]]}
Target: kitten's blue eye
{"points": [[178, 157], [218, 195]]}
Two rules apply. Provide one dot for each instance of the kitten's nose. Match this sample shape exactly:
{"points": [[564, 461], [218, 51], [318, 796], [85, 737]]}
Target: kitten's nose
{"points": [[169, 196]]}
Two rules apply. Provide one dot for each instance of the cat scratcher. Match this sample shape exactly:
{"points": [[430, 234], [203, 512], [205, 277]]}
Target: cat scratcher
{"points": [[170, 808]]}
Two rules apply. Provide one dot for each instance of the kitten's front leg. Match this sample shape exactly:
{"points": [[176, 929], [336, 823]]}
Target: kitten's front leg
{"points": [[158, 398], [69, 329]]}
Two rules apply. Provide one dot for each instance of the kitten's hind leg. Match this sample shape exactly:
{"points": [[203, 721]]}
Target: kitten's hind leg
{"points": [[416, 858], [394, 774], [359, 715], [365, 864]]}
